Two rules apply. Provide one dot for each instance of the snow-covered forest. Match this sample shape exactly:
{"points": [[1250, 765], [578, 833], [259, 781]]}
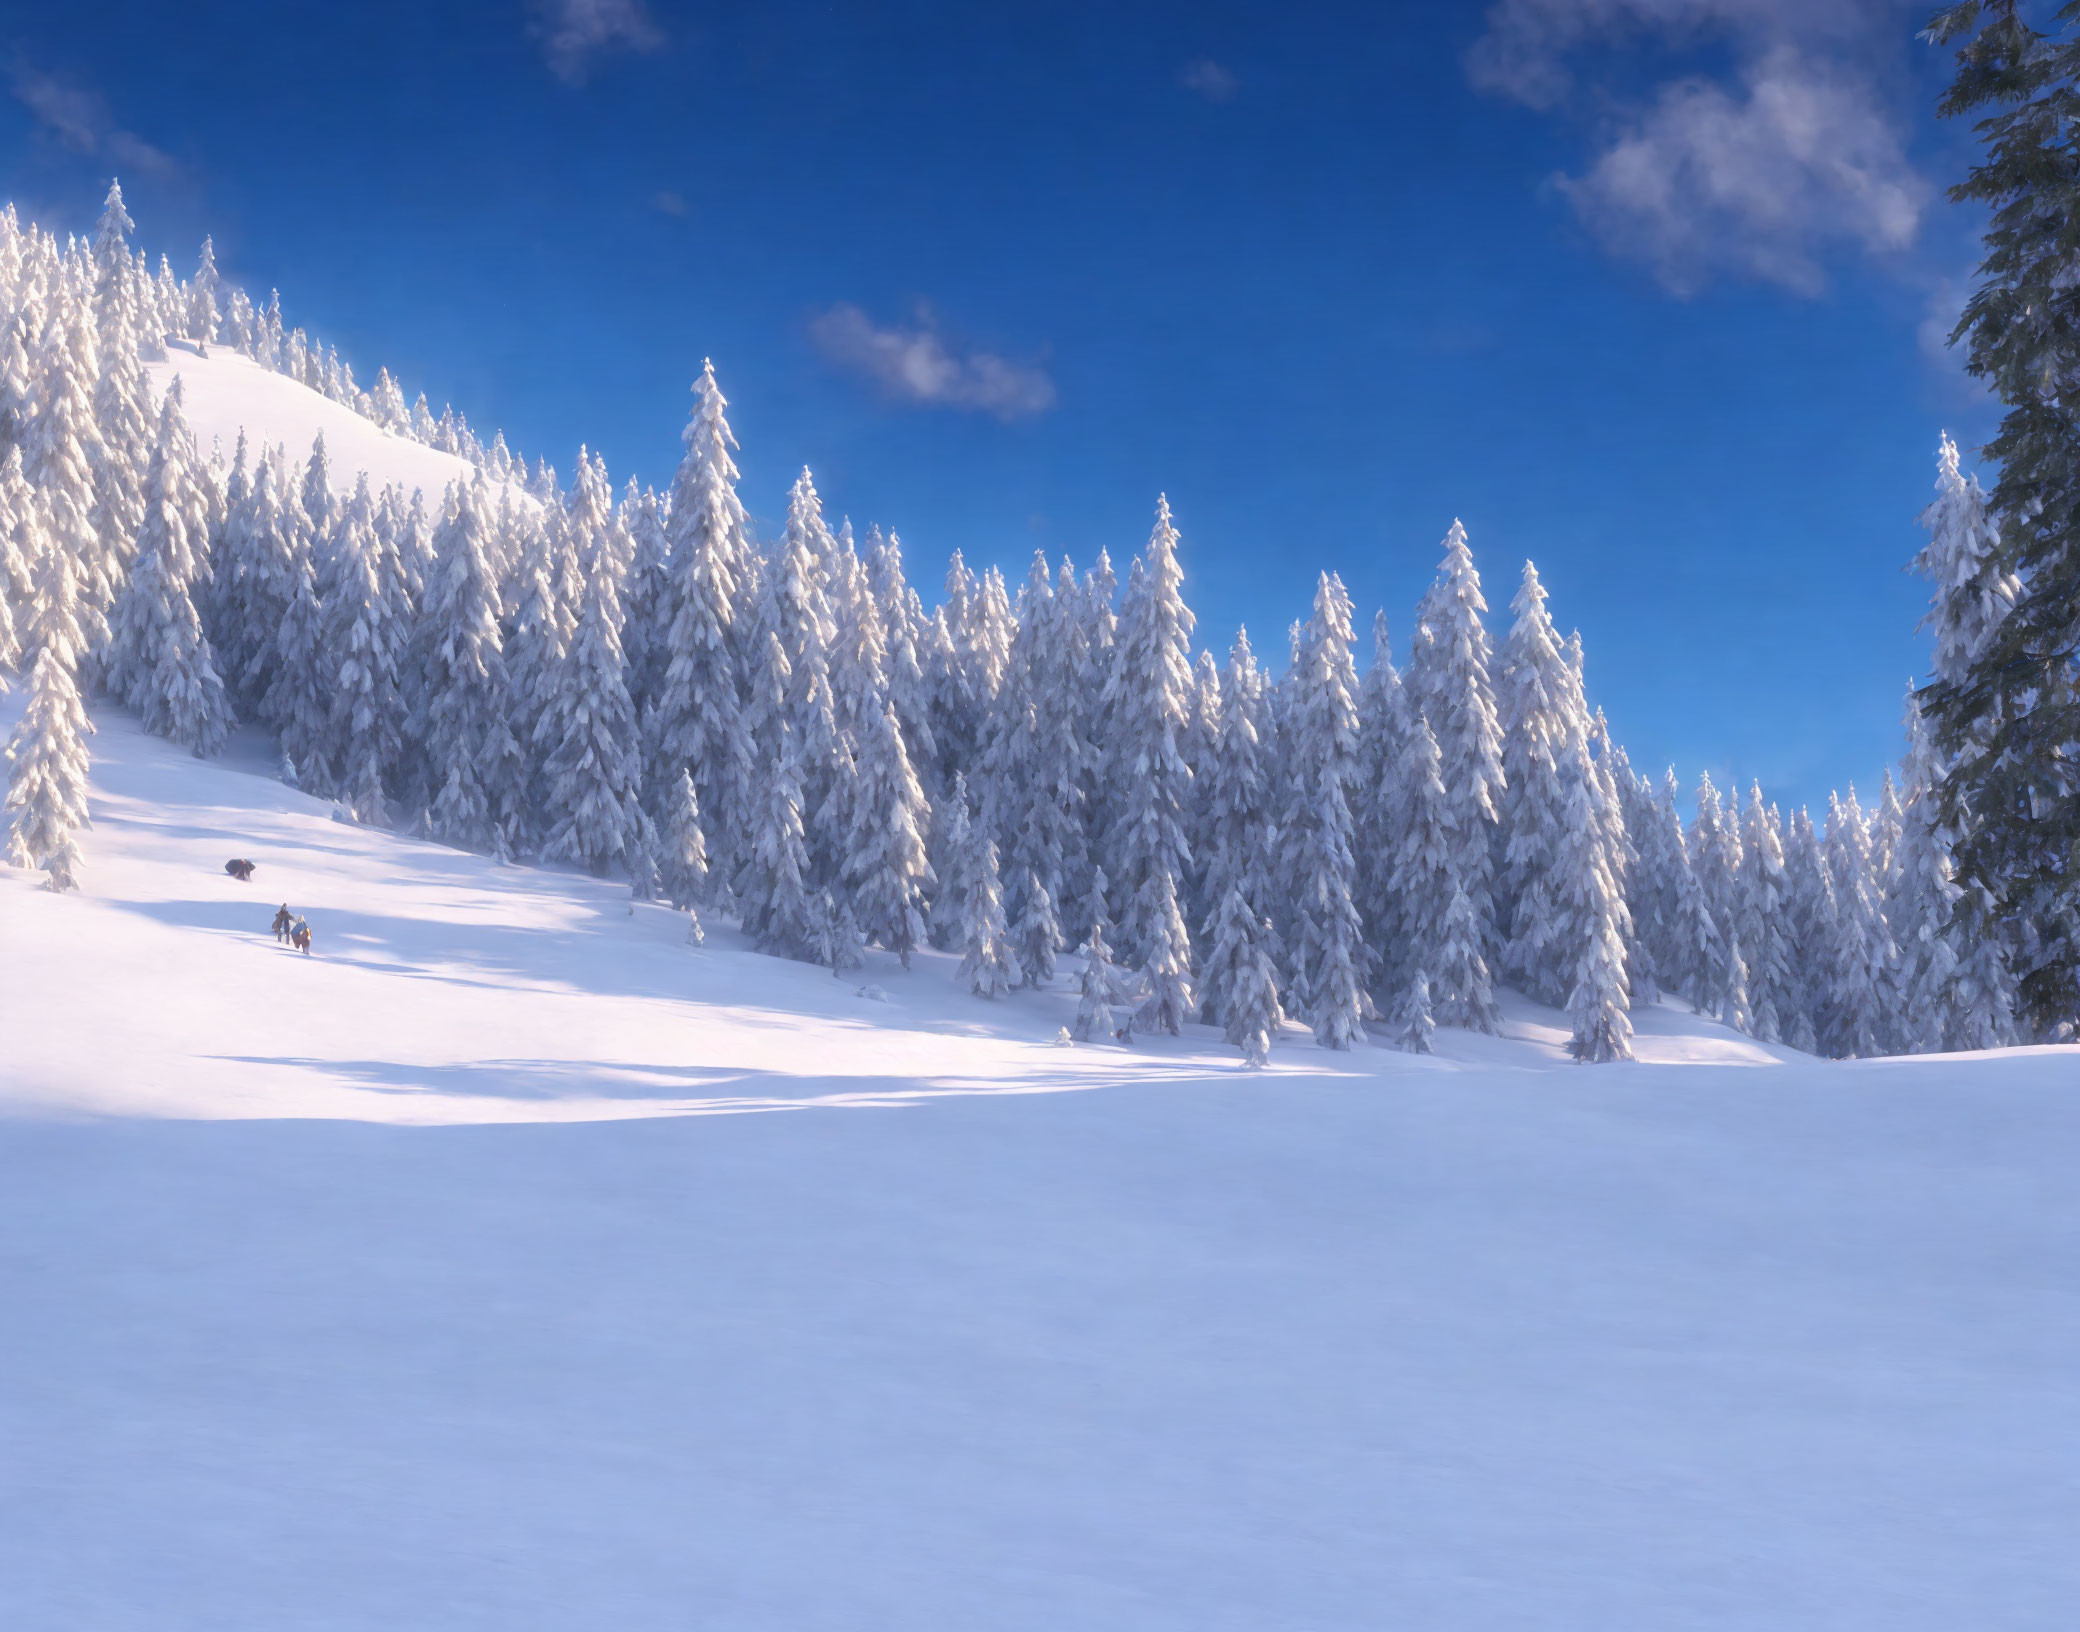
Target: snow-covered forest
{"points": [[781, 731]]}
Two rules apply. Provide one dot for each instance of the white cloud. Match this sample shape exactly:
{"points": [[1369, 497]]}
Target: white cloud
{"points": [[80, 120], [1524, 53], [920, 365], [1210, 80], [1756, 172], [573, 33], [1755, 180]]}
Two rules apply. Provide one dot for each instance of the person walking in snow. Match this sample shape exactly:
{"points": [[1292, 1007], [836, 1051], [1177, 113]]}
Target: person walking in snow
{"points": [[283, 922], [300, 937]]}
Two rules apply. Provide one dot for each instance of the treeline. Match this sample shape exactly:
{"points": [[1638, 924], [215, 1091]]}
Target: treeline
{"points": [[780, 731]]}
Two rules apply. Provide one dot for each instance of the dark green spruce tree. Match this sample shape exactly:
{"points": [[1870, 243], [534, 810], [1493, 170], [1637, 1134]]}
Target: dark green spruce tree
{"points": [[2011, 722]]}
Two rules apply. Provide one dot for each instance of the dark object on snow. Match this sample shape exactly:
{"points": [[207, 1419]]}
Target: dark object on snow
{"points": [[283, 921], [300, 937], [241, 870]]}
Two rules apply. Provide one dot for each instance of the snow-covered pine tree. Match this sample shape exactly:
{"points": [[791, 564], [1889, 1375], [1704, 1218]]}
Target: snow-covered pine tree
{"points": [[159, 660], [359, 648], [682, 861], [17, 380], [1762, 921], [459, 714], [903, 626], [1715, 859], [794, 615], [2011, 721], [887, 878], [647, 611], [1586, 897], [123, 417], [1862, 998], [1974, 589], [989, 966], [46, 800], [1443, 942], [1240, 982], [60, 446], [1327, 948], [1670, 917], [1414, 1026], [20, 542], [1038, 771], [1202, 735], [115, 302], [1813, 930], [956, 714], [1149, 702], [1104, 1008], [1382, 745], [205, 290], [778, 909], [1955, 990], [1237, 797], [1542, 752], [587, 731], [1448, 676], [535, 650]]}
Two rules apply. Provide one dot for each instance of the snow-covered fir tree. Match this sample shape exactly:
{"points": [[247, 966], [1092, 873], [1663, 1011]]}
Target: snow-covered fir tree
{"points": [[1383, 729], [1761, 922], [159, 659], [1326, 939], [1955, 988], [778, 909], [1864, 954], [1105, 995], [1239, 985], [587, 732], [1449, 677], [458, 709], [1037, 770], [1715, 858], [1543, 737], [682, 857], [536, 645], [59, 447], [989, 966], [1587, 897], [887, 876], [359, 650], [1444, 941], [1237, 800], [46, 800], [1812, 928], [1149, 700]]}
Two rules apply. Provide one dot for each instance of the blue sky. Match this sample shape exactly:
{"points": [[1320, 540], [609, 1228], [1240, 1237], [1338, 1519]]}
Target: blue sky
{"points": [[1642, 289]]}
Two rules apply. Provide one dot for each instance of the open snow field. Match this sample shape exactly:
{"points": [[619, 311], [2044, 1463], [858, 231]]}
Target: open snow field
{"points": [[424, 1284]]}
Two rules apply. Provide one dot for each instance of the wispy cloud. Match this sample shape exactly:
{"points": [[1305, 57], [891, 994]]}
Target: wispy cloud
{"points": [[920, 364], [80, 120], [667, 202], [1758, 171], [1210, 80], [574, 34]]}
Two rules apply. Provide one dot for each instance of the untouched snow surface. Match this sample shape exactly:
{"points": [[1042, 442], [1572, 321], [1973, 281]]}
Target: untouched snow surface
{"points": [[412, 1285], [224, 393]]}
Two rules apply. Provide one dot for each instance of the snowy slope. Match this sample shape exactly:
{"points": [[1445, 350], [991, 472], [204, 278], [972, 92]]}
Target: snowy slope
{"points": [[225, 393], [1088, 1338]]}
